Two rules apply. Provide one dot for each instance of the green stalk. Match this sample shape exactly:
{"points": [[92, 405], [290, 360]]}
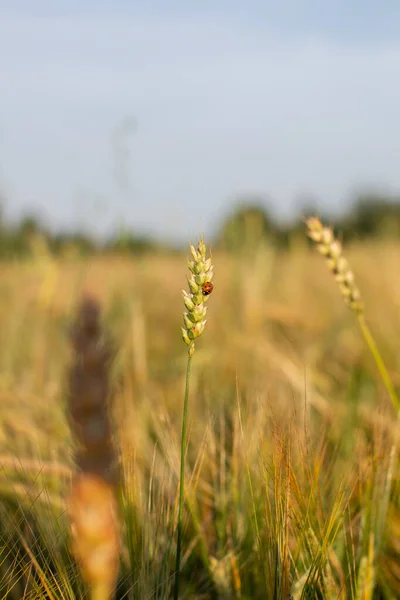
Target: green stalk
{"points": [[379, 361], [395, 401], [182, 480]]}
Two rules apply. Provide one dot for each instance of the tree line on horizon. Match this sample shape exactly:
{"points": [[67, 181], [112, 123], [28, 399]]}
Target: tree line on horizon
{"points": [[248, 223]]}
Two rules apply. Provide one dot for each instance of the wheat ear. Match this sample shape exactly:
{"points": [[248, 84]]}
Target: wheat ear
{"points": [[331, 248]]}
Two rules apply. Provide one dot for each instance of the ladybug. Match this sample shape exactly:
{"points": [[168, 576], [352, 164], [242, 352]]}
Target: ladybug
{"points": [[207, 288]]}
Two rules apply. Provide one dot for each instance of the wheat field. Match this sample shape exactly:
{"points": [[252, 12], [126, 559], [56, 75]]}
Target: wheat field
{"points": [[292, 474]]}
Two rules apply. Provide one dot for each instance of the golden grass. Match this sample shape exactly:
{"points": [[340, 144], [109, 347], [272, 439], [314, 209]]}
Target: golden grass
{"points": [[290, 427]]}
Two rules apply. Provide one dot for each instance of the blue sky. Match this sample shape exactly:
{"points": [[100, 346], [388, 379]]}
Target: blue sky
{"points": [[156, 116]]}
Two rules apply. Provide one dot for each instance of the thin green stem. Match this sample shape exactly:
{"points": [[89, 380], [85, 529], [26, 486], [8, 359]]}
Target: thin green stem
{"points": [[182, 480], [379, 362]]}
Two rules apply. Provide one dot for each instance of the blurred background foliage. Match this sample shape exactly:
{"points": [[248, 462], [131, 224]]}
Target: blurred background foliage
{"points": [[290, 425], [371, 215]]}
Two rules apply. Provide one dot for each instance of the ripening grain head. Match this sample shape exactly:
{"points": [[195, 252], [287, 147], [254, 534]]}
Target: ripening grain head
{"points": [[200, 287], [331, 248]]}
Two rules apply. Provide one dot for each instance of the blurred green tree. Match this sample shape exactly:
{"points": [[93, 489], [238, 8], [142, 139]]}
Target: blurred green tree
{"points": [[246, 227]]}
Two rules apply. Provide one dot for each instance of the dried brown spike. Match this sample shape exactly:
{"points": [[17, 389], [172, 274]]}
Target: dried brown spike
{"points": [[92, 504], [89, 390]]}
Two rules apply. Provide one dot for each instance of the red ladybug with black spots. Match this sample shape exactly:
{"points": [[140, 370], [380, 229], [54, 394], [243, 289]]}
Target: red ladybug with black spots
{"points": [[207, 288]]}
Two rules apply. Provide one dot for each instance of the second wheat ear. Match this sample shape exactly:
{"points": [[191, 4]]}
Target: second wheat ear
{"points": [[331, 249]]}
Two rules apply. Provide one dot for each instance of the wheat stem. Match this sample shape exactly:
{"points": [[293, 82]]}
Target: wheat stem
{"points": [[379, 361], [182, 479]]}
